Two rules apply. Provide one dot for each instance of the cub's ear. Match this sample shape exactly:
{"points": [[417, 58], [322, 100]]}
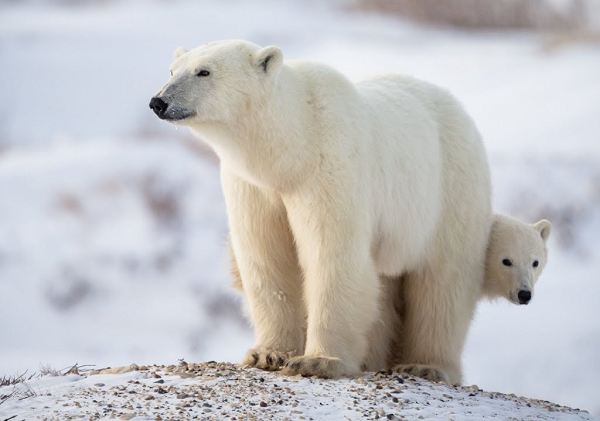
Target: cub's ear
{"points": [[268, 60], [179, 51], [543, 227]]}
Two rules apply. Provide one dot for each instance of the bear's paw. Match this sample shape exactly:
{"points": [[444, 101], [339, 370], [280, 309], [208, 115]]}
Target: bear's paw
{"points": [[267, 359], [427, 372], [323, 367]]}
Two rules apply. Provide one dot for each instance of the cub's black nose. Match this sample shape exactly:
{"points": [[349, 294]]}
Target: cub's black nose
{"points": [[158, 106], [524, 296]]}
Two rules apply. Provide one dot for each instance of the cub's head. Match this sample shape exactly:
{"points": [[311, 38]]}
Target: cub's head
{"points": [[216, 82], [516, 256]]}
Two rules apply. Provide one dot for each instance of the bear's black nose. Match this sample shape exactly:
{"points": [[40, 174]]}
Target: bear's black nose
{"points": [[524, 296], [159, 106]]}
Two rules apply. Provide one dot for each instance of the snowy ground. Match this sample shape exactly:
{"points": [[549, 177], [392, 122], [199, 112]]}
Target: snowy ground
{"points": [[111, 231], [226, 392]]}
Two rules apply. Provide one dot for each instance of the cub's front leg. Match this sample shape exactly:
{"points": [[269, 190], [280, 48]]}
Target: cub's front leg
{"points": [[341, 286], [264, 252]]}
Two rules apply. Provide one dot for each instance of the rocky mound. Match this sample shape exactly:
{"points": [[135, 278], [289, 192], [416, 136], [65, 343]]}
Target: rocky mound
{"points": [[223, 391]]}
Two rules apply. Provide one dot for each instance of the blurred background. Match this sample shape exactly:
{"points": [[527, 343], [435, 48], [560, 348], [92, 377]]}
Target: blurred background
{"points": [[112, 223]]}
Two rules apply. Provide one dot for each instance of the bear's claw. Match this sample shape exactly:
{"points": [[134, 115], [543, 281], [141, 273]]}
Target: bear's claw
{"points": [[267, 359], [426, 372], [323, 367]]}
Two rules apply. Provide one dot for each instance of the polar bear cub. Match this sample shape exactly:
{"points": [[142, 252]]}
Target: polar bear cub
{"points": [[516, 257]]}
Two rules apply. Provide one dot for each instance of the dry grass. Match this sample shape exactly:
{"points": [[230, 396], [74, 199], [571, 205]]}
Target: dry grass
{"points": [[21, 390], [16, 379], [16, 392], [486, 14]]}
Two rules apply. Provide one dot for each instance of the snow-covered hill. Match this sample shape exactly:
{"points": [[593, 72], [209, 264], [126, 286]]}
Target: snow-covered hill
{"points": [[222, 391]]}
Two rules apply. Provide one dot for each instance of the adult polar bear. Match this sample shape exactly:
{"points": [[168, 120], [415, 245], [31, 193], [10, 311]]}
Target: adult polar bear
{"points": [[333, 188]]}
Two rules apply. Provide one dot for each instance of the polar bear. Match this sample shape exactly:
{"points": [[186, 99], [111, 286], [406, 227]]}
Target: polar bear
{"points": [[332, 187], [516, 257]]}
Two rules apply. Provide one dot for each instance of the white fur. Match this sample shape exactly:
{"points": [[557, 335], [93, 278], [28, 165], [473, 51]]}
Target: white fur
{"points": [[329, 185], [521, 245]]}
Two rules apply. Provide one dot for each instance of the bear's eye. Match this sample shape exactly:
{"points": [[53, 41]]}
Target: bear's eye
{"points": [[507, 262], [535, 263], [203, 73]]}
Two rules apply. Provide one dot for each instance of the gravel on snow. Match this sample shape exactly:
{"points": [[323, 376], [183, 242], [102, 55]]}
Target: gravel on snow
{"points": [[224, 391]]}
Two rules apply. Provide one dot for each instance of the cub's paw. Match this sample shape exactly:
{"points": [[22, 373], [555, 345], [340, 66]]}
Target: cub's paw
{"points": [[427, 372], [324, 367], [266, 359]]}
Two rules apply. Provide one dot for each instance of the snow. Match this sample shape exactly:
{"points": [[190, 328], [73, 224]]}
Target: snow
{"points": [[223, 391], [112, 229]]}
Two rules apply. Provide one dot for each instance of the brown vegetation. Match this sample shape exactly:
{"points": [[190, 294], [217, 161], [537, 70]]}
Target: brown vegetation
{"points": [[487, 14]]}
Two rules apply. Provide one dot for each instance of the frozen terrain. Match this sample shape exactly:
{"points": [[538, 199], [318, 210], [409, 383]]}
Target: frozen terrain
{"points": [[112, 226], [218, 391]]}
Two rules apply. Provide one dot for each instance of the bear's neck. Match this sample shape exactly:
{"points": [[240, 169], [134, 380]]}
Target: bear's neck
{"points": [[269, 145]]}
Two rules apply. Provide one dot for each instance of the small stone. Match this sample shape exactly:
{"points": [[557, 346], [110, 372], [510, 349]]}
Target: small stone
{"points": [[161, 381], [149, 398], [99, 384], [182, 396], [263, 404]]}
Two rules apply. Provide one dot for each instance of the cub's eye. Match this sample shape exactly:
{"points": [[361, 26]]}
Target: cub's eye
{"points": [[535, 263], [203, 73], [507, 262]]}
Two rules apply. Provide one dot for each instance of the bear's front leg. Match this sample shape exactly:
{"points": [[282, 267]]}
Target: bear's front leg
{"points": [[341, 286], [263, 249]]}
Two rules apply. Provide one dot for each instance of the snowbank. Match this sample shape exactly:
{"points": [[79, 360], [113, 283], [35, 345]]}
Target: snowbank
{"points": [[226, 392]]}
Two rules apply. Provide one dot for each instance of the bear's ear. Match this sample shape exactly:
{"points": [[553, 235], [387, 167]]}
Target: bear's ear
{"points": [[179, 51], [268, 60], [543, 227]]}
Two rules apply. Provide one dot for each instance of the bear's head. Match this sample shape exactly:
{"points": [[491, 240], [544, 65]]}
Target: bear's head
{"points": [[216, 82], [516, 256]]}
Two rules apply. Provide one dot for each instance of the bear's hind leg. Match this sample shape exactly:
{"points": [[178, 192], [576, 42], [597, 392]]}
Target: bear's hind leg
{"points": [[386, 328], [438, 308]]}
